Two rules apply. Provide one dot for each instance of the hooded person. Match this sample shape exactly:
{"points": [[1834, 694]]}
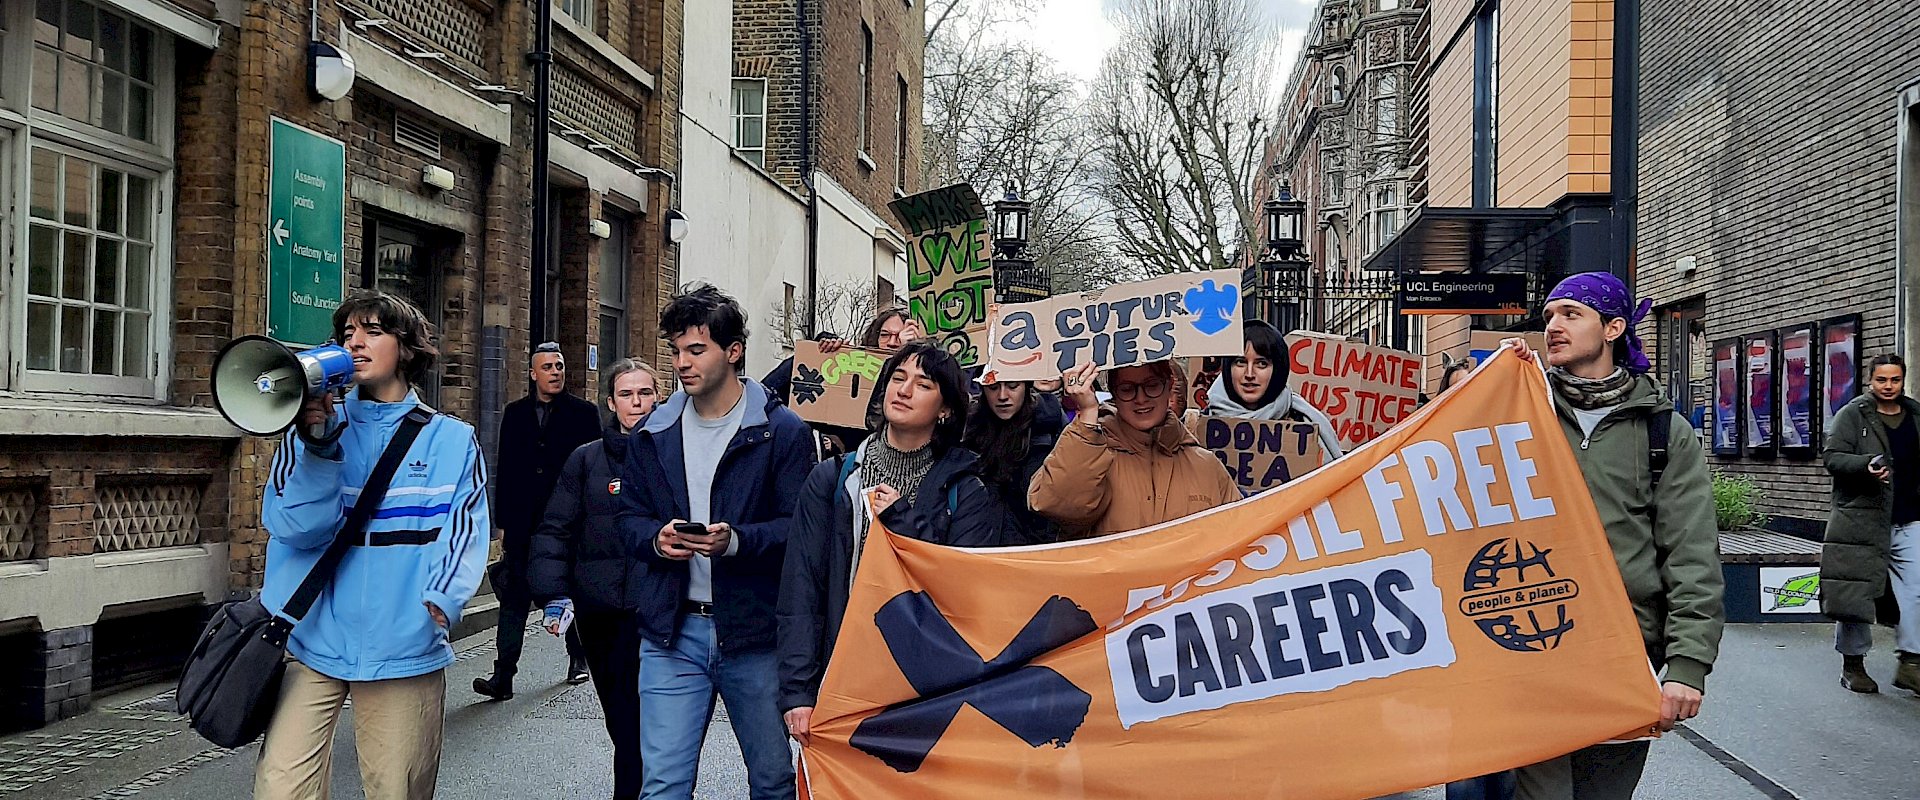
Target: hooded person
{"points": [[1659, 519], [1013, 427], [1254, 386], [925, 485], [1129, 464]]}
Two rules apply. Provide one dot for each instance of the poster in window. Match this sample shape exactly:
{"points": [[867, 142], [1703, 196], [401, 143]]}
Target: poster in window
{"points": [[1799, 428], [1757, 350], [1726, 397], [1842, 338]]}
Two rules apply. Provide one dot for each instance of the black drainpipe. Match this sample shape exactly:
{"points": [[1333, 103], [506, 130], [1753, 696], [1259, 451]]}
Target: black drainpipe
{"points": [[806, 169], [1626, 139], [542, 58]]}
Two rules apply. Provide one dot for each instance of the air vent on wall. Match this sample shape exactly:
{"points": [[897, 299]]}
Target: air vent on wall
{"points": [[421, 136]]}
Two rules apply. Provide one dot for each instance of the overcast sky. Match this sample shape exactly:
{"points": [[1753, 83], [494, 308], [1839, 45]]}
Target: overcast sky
{"points": [[1077, 33]]}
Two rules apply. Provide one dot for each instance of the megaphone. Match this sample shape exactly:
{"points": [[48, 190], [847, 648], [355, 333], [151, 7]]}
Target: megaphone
{"points": [[259, 384]]}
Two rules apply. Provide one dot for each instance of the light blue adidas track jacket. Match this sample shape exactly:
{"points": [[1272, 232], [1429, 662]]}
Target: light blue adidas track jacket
{"points": [[427, 542]]}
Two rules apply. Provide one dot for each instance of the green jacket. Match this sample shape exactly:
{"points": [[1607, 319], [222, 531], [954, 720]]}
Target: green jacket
{"points": [[1853, 563], [1670, 560]]}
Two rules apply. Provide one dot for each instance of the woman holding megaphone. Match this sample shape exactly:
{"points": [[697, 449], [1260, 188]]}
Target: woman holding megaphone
{"points": [[377, 630]]}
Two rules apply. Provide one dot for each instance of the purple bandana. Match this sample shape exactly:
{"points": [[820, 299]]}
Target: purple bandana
{"points": [[1606, 294]]}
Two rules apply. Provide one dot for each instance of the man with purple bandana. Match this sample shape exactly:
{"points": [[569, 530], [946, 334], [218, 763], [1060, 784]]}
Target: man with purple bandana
{"points": [[1663, 534]]}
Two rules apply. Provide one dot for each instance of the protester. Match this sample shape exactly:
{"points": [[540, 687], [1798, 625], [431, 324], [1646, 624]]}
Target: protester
{"points": [[537, 434], [1659, 519], [1453, 372], [924, 484], [578, 554], [1254, 386], [892, 329], [1873, 535], [712, 477], [378, 632], [1013, 428], [779, 381], [1130, 464]]}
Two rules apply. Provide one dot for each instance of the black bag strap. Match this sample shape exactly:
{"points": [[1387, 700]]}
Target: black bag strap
{"points": [[370, 496], [1659, 431]]}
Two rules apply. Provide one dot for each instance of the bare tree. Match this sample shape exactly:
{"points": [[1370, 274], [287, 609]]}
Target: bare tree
{"points": [[1179, 126], [999, 113], [846, 307]]}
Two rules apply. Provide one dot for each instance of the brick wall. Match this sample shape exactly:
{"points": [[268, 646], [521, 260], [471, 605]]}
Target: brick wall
{"points": [[897, 53], [766, 44], [1732, 98]]}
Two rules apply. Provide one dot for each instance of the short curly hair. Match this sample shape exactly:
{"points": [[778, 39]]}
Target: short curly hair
{"points": [[418, 338]]}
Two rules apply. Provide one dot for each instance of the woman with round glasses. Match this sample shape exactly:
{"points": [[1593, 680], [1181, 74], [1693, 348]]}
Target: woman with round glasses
{"points": [[1130, 465]]}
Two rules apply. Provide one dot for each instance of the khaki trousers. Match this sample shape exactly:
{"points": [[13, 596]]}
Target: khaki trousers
{"points": [[396, 732]]}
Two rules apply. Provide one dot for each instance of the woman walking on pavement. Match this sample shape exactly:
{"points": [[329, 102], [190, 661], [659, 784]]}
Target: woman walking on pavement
{"points": [[1128, 464], [1013, 428], [925, 485], [1255, 387], [378, 632], [578, 554]]}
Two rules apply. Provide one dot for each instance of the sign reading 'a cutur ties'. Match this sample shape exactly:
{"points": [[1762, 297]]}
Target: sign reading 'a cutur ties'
{"points": [[949, 267], [1174, 316], [306, 232]]}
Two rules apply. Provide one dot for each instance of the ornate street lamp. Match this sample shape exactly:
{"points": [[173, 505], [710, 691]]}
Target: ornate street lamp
{"points": [[1284, 264], [1016, 278], [1010, 224]]}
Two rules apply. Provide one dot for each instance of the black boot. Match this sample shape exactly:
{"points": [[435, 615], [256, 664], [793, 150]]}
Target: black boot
{"points": [[576, 671], [495, 688], [1908, 676], [1853, 675]]}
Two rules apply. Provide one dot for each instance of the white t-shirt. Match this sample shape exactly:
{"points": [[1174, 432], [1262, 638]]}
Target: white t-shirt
{"points": [[704, 442], [1591, 419]]}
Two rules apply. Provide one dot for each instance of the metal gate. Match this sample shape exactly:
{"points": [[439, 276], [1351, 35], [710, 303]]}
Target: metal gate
{"points": [[1356, 306]]}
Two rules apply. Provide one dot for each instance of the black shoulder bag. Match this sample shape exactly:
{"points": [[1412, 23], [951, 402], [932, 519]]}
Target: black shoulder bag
{"points": [[231, 682]]}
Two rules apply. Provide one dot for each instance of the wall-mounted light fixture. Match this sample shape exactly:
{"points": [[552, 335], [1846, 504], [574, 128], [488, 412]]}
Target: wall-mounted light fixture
{"points": [[329, 71], [437, 177], [677, 226]]}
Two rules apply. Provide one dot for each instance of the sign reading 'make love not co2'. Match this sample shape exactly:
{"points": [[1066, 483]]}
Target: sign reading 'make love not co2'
{"points": [[949, 268], [1174, 316]]}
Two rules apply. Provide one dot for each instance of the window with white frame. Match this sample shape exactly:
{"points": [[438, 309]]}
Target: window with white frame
{"points": [[1387, 5], [85, 158], [1386, 104], [750, 119], [1337, 86], [1386, 214], [580, 10], [614, 257]]}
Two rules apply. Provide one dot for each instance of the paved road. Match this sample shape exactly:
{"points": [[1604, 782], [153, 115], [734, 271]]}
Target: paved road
{"points": [[1777, 727]]}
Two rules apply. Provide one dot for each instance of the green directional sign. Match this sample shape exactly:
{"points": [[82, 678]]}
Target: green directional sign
{"points": [[306, 231]]}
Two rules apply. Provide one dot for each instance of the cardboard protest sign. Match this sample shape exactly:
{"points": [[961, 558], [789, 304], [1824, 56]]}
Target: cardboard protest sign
{"points": [[1259, 454], [1439, 604], [949, 266], [1365, 389], [834, 389], [1481, 344], [1188, 314]]}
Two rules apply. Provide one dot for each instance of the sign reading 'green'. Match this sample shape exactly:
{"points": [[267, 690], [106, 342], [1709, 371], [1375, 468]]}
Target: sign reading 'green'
{"points": [[306, 231]]}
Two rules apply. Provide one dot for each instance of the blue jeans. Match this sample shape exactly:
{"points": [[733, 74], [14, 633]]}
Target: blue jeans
{"points": [[677, 686]]}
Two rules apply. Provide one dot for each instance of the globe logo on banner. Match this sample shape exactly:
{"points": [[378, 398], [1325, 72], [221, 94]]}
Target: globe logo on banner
{"points": [[1514, 597]]}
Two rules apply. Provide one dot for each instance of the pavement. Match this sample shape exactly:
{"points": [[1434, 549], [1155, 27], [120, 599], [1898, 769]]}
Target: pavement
{"points": [[1776, 726]]}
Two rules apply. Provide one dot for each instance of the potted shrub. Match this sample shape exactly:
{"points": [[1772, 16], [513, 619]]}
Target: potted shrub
{"points": [[1736, 502]]}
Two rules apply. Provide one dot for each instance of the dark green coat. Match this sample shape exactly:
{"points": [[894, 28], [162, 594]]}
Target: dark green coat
{"points": [[1853, 564], [1669, 560]]}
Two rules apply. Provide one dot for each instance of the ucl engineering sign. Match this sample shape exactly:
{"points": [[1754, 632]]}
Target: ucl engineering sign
{"points": [[1463, 293], [306, 232]]}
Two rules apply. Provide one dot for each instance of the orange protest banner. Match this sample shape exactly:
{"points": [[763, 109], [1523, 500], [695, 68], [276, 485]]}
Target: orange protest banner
{"points": [[1440, 604]]}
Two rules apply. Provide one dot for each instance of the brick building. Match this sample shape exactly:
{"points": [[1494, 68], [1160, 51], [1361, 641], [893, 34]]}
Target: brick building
{"points": [[1514, 120], [1343, 147], [1777, 175], [801, 122], [135, 161]]}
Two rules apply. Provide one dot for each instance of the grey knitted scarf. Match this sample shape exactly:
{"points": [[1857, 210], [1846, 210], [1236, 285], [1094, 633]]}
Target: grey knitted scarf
{"points": [[1588, 394], [903, 470]]}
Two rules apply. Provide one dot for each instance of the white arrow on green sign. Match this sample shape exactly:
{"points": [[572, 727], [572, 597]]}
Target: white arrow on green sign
{"points": [[306, 218]]}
